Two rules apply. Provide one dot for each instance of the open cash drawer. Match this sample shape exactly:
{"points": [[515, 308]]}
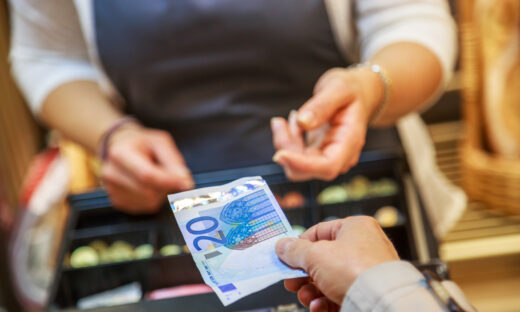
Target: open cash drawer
{"points": [[92, 218]]}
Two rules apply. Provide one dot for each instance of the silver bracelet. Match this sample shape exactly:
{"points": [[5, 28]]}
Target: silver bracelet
{"points": [[386, 83]]}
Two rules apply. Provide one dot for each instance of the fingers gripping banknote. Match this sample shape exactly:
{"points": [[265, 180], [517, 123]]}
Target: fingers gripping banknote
{"points": [[231, 231]]}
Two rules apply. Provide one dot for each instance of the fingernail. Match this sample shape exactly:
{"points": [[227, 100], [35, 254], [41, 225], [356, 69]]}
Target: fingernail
{"points": [[307, 118], [293, 118], [277, 158], [275, 122]]}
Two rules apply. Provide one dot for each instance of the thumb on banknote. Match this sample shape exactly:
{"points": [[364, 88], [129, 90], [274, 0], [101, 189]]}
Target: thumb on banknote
{"points": [[294, 251]]}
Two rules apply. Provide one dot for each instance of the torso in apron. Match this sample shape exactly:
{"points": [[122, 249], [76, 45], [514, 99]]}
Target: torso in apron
{"points": [[214, 72]]}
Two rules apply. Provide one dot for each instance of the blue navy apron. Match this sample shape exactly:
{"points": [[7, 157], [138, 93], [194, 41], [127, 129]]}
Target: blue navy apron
{"points": [[214, 72]]}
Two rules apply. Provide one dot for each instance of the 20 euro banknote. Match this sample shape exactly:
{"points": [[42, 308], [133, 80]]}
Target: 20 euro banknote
{"points": [[231, 231]]}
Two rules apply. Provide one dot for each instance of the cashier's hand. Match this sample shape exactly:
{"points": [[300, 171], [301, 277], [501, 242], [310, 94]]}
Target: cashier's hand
{"points": [[143, 165], [335, 120], [334, 254]]}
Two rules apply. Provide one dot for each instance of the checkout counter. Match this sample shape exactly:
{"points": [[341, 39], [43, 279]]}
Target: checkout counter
{"points": [[92, 218]]}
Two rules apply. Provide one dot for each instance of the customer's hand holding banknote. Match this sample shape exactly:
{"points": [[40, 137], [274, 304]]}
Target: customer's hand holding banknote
{"points": [[334, 254]]}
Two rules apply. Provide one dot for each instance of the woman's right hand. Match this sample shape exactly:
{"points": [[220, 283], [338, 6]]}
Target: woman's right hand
{"points": [[142, 166], [334, 254]]}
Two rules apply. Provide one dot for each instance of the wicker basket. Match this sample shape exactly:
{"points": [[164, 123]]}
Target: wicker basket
{"points": [[485, 177]]}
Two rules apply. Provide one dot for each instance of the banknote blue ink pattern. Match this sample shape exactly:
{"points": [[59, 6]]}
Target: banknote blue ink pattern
{"points": [[252, 219]]}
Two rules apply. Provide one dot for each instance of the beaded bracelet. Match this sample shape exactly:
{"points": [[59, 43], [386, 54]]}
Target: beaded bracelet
{"points": [[103, 146]]}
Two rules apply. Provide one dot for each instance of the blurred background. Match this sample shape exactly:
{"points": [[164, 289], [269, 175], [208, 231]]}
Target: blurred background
{"points": [[482, 250]]}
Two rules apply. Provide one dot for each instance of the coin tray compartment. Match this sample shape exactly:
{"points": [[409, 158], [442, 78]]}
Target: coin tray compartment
{"points": [[374, 172], [134, 238], [366, 207], [153, 273]]}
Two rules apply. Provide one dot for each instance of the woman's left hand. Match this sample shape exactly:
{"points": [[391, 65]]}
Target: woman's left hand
{"points": [[345, 99]]}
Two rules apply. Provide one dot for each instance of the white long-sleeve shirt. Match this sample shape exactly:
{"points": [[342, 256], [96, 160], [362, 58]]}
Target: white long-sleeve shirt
{"points": [[53, 41]]}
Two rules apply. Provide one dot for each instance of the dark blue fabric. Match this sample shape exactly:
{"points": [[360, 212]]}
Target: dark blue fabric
{"points": [[213, 72]]}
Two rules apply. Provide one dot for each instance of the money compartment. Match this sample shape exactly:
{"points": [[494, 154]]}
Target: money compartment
{"points": [[155, 271], [92, 218]]}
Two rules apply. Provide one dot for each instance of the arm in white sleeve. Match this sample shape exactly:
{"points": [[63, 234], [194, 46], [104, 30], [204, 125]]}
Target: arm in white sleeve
{"points": [[47, 48], [396, 286], [425, 22]]}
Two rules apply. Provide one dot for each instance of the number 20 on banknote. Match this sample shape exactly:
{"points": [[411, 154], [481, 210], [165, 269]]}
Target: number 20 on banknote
{"points": [[203, 234]]}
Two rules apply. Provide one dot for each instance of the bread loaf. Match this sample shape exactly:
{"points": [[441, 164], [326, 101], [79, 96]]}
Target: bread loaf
{"points": [[499, 27]]}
